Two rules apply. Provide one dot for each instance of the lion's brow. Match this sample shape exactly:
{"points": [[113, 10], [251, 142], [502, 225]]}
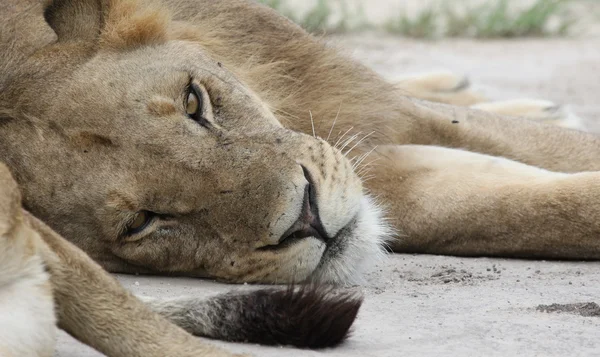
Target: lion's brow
{"points": [[161, 106]]}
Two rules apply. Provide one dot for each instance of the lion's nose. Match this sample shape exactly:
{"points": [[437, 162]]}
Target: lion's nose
{"points": [[309, 223]]}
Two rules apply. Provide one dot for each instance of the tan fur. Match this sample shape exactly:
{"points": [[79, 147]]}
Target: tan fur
{"points": [[99, 102], [129, 25]]}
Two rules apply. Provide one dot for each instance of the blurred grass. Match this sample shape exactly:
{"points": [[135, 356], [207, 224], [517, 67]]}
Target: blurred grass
{"points": [[323, 17], [494, 19], [497, 19]]}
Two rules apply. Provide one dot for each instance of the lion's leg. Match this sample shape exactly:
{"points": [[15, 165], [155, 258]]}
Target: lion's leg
{"points": [[522, 140], [542, 111], [27, 322], [440, 86], [448, 201], [450, 88]]}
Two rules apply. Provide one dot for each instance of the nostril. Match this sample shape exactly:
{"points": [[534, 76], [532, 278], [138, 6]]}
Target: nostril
{"points": [[312, 195], [306, 174], [309, 223]]}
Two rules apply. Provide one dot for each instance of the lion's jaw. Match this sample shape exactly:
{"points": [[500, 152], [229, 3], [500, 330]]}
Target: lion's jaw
{"points": [[357, 248]]}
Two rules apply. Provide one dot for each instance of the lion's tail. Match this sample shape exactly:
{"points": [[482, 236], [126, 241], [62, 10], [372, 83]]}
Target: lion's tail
{"points": [[309, 316]]}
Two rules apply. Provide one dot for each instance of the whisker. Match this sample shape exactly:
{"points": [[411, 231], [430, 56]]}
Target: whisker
{"points": [[356, 159], [348, 141], [371, 163], [364, 172], [358, 142], [362, 158], [367, 178], [334, 120], [367, 168], [365, 155], [341, 137], [286, 113], [312, 122]]}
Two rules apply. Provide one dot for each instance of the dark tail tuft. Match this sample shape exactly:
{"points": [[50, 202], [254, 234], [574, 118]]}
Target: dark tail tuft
{"points": [[310, 316]]}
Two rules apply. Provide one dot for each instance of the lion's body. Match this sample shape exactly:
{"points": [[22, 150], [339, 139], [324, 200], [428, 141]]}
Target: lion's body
{"points": [[262, 183]]}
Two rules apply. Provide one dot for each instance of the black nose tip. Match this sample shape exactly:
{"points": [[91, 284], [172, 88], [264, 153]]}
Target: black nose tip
{"points": [[309, 223]]}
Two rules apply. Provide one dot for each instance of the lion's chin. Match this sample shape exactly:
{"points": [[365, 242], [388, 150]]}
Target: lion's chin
{"points": [[356, 249]]}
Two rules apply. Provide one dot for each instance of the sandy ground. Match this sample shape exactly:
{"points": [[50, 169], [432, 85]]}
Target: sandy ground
{"points": [[431, 305]]}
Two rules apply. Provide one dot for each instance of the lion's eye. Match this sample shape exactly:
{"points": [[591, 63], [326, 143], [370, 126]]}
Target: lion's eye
{"points": [[141, 220], [193, 103]]}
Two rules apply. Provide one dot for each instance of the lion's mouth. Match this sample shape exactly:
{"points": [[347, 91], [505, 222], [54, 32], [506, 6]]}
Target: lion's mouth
{"points": [[335, 245], [292, 237]]}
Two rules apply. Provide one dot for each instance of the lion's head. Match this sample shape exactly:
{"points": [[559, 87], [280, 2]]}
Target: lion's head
{"points": [[152, 156]]}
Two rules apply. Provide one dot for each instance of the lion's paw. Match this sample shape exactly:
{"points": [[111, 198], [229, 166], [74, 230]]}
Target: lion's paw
{"points": [[540, 110], [441, 86]]}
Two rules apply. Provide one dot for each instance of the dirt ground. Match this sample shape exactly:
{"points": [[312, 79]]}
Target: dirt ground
{"points": [[431, 305]]}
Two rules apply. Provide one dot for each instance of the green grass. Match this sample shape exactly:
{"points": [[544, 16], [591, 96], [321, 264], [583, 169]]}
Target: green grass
{"points": [[424, 25], [494, 19]]}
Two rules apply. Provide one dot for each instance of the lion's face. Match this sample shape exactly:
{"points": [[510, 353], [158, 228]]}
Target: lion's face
{"points": [[160, 159]]}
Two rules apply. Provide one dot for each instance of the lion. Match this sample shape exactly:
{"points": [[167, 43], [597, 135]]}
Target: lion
{"points": [[220, 140]]}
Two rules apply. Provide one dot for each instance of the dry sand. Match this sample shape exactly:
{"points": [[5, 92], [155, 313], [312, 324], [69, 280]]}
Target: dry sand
{"points": [[430, 305]]}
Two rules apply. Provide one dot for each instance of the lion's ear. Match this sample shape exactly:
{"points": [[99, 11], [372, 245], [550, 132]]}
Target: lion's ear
{"points": [[112, 24], [29, 25], [23, 30]]}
